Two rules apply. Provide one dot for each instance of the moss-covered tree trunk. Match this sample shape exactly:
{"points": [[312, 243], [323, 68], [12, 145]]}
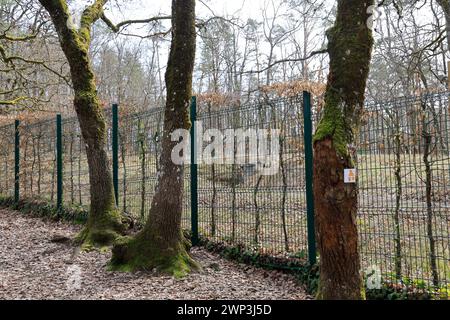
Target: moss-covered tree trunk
{"points": [[104, 223], [161, 244], [350, 46]]}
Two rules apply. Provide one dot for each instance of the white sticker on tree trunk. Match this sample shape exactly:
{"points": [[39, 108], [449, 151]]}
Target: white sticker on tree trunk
{"points": [[350, 175]]}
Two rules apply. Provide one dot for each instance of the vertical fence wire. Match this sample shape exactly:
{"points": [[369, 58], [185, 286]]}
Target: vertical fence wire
{"points": [[75, 165], [404, 175], [240, 203], [7, 135]]}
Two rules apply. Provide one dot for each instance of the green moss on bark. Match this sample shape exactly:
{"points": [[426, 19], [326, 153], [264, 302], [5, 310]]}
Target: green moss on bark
{"points": [[101, 231], [349, 45], [161, 244], [138, 254], [104, 223], [332, 125]]}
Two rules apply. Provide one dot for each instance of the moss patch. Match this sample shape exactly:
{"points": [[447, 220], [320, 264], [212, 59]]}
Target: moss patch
{"points": [[140, 254], [101, 231], [332, 124]]}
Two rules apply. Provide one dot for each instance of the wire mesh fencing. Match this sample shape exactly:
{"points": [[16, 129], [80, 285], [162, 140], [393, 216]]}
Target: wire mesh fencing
{"points": [[239, 202], [139, 163], [7, 179], [38, 160], [75, 165], [404, 208], [403, 170]]}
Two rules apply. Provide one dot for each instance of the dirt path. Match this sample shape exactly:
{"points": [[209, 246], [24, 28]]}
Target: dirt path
{"points": [[34, 267]]}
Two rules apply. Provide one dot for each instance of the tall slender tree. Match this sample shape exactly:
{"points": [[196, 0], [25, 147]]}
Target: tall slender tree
{"points": [[161, 243], [349, 46], [104, 223]]}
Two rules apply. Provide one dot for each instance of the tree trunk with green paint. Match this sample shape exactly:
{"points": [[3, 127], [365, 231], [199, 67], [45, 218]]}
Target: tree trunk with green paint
{"points": [[161, 244], [104, 223], [349, 45]]}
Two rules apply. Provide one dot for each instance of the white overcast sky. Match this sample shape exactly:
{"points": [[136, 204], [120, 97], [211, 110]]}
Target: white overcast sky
{"points": [[146, 8], [242, 9], [139, 9]]}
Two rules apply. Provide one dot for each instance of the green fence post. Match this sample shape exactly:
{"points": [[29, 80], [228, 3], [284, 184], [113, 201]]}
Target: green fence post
{"points": [[59, 163], [308, 135], [17, 162], [194, 175], [115, 150]]}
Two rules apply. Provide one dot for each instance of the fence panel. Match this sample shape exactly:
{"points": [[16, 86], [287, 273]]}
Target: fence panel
{"points": [[75, 165], [139, 151], [7, 161], [404, 210], [38, 176], [239, 204]]}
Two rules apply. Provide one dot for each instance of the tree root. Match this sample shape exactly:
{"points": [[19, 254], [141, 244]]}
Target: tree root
{"points": [[141, 254], [100, 233]]}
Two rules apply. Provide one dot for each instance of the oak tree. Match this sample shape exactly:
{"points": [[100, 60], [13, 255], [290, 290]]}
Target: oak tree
{"points": [[161, 243], [349, 46]]}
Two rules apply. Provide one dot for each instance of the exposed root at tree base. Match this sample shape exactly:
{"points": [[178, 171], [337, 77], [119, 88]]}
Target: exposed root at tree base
{"points": [[89, 239], [138, 254], [101, 232]]}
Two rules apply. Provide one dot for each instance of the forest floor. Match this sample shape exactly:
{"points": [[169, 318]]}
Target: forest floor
{"points": [[33, 265]]}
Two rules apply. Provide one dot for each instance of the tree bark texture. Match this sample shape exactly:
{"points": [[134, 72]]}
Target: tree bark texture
{"points": [[349, 45], [161, 243], [104, 223]]}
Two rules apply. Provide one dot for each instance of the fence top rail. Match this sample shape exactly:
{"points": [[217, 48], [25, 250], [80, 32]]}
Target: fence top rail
{"points": [[395, 102], [258, 104], [137, 115]]}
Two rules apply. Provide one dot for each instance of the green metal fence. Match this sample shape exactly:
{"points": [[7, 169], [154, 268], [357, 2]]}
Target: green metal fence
{"points": [[404, 179], [404, 211], [75, 175], [238, 204]]}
